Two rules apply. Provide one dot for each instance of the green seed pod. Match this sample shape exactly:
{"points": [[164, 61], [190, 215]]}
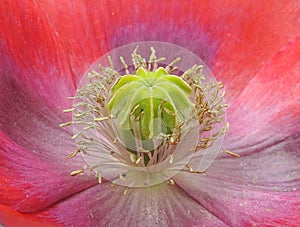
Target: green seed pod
{"points": [[148, 104]]}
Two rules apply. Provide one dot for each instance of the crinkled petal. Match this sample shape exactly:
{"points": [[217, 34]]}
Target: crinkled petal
{"points": [[262, 189], [268, 110], [30, 182], [234, 38], [112, 205]]}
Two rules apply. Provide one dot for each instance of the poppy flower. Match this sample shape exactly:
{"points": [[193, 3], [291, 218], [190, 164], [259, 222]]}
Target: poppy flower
{"points": [[253, 47]]}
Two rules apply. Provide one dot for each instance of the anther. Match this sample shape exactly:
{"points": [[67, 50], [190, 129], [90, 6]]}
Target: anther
{"points": [[232, 154], [75, 97], [101, 119], [76, 135], [190, 168], [76, 172], [89, 127], [99, 177], [171, 159], [73, 154], [111, 63], [170, 67], [171, 182], [132, 157], [66, 124], [227, 126], [138, 160], [125, 191], [69, 110], [124, 64]]}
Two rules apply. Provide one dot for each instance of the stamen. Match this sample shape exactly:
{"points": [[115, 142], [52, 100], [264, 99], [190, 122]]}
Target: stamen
{"points": [[232, 154], [152, 60], [76, 135], [76, 172], [191, 170], [171, 159], [69, 110], [99, 177], [125, 192], [138, 160], [171, 182], [101, 119], [227, 126], [170, 67], [73, 154], [75, 97], [66, 124], [111, 63], [127, 135], [125, 65]]}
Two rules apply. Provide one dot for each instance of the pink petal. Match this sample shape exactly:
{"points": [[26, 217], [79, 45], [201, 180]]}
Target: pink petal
{"points": [[35, 172], [30, 181], [106, 205], [261, 189], [268, 110]]}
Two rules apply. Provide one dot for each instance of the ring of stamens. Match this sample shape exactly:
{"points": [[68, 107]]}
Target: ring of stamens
{"points": [[95, 123]]}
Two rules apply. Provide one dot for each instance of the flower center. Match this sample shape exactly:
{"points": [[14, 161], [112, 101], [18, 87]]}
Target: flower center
{"points": [[138, 125], [149, 109]]}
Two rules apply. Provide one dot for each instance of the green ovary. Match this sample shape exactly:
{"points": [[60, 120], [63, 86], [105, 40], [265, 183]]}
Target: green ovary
{"points": [[148, 104]]}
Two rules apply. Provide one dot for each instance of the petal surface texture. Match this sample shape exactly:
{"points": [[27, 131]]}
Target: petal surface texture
{"points": [[12, 218], [234, 38], [267, 111], [161, 205], [263, 186]]}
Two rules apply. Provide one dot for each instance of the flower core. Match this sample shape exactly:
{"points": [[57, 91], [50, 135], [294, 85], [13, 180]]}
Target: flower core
{"points": [[140, 124], [149, 109]]}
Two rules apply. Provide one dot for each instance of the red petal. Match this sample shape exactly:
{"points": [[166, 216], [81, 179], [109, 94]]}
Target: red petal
{"points": [[252, 31], [31, 56], [237, 36], [268, 109], [106, 205], [30, 181], [11, 218]]}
